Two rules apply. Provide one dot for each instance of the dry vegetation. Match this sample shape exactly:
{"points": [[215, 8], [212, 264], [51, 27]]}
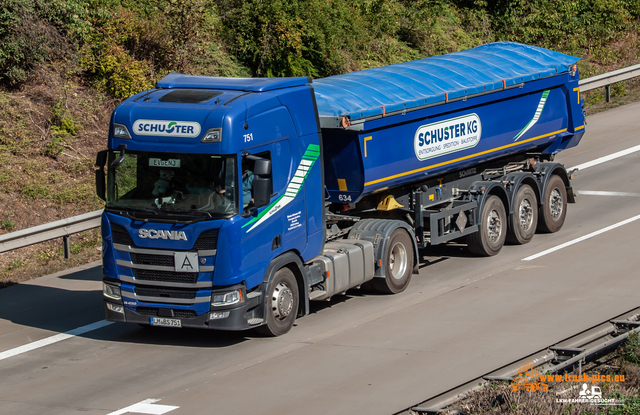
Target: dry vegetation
{"points": [[50, 130], [65, 65], [499, 398]]}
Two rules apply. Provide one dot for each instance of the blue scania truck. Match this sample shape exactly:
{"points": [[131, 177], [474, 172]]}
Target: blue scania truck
{"points": [[231, 203]]}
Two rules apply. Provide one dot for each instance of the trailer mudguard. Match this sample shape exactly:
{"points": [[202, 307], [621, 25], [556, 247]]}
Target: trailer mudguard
{"points": [[514, 181], [481, 190], [546, 170]]}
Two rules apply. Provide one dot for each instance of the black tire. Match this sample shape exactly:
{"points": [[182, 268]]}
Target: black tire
{"points": [[282, 304], [524, 220], [554, 208], [489, 239], [398, 258]]}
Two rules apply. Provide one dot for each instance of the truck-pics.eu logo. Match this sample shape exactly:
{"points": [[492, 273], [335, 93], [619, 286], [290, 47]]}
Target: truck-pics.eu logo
{"points": [[528, 378], [448, 136], [188, 129]]}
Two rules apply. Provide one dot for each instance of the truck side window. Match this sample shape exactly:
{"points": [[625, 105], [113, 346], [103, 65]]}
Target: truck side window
{"points": [[248, 176]]}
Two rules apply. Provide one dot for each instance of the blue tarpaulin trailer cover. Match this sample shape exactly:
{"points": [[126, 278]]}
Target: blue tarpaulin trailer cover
{"points": [[403, 86]]}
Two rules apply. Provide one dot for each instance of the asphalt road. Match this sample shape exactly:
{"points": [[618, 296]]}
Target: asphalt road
{"points": [[360, 353]]}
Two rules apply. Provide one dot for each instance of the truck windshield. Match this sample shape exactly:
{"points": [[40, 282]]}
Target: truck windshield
{"points": [[174, 183]]}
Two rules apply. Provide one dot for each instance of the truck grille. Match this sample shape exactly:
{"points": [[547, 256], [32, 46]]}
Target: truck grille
{"points": [[121, 235], [147, 259], [165, 276], [206, 240], [165, 293], [146, 311]]}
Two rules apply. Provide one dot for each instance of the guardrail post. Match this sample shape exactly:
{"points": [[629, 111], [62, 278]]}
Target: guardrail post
{"points": [[67, 248], [607, 93]]}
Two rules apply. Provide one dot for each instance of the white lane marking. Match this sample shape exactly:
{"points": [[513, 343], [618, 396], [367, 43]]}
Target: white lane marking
{"points": [[605, 158], [54, 339], [148, 406], [582, 238], [602, 193]]}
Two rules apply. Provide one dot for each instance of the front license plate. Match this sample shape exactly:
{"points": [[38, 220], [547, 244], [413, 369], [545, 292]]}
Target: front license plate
{"points": [[166, 322]]}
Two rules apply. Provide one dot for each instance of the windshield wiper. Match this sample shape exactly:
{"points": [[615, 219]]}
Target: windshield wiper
{"points": [[130, 212], [179, 215], [132, 209], [185, 210]]}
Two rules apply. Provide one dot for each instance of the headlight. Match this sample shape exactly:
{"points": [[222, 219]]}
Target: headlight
{"points": [[120, 131], [234, 297], [111, 291], [214, 135]]}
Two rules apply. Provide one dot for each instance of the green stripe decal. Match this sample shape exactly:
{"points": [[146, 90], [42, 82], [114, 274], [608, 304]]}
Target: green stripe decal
{"points": [[536, 116], [293, 188]]}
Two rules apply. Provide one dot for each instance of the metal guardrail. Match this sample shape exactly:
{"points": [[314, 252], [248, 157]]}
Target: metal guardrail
{"points": [[58, 229], [607, 79], [65, 227]]}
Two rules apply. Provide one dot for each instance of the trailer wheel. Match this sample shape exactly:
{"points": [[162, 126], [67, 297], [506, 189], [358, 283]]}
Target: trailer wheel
{"points": [[399, 264], [523, 222], [489, 239], [554, 209], [282, 305]]}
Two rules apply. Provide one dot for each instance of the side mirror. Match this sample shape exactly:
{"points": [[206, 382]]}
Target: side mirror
{"points": [[261, 191], [101, 160], [100, 184], [262, 167]]}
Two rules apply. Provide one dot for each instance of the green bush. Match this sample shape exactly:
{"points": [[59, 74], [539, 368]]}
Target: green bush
{"points": [[436, 28], [125, 46], [311, 37], [35, 31], [106, 58], [62, 128], [630, 349], [565, 25], [7, 224]]}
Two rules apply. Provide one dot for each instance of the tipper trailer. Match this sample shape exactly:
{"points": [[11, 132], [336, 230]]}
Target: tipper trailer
{"points": [[231, 203]]}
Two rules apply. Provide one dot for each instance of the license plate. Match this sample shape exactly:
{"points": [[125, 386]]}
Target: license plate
{"points": [[165, 322]]}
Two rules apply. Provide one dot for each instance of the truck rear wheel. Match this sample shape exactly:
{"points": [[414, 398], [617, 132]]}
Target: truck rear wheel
{"points": [[398, 262], [524, 220], [489, 239], [282, 304], [554, 209]]}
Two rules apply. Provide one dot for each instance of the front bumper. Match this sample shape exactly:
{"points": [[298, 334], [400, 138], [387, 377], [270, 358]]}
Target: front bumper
{"points": [[245, 316]]}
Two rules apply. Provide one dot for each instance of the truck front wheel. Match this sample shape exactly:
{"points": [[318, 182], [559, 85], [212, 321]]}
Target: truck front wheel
{"points": [[489, 239], [398, 262], [554, 209], [282, 304]]}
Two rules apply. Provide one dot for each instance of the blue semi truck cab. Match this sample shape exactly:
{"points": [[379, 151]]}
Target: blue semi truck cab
{"points": [[231, 203]]}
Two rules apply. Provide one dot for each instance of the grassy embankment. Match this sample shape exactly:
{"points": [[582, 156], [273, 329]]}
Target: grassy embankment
{"points": [[65, 65]]}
